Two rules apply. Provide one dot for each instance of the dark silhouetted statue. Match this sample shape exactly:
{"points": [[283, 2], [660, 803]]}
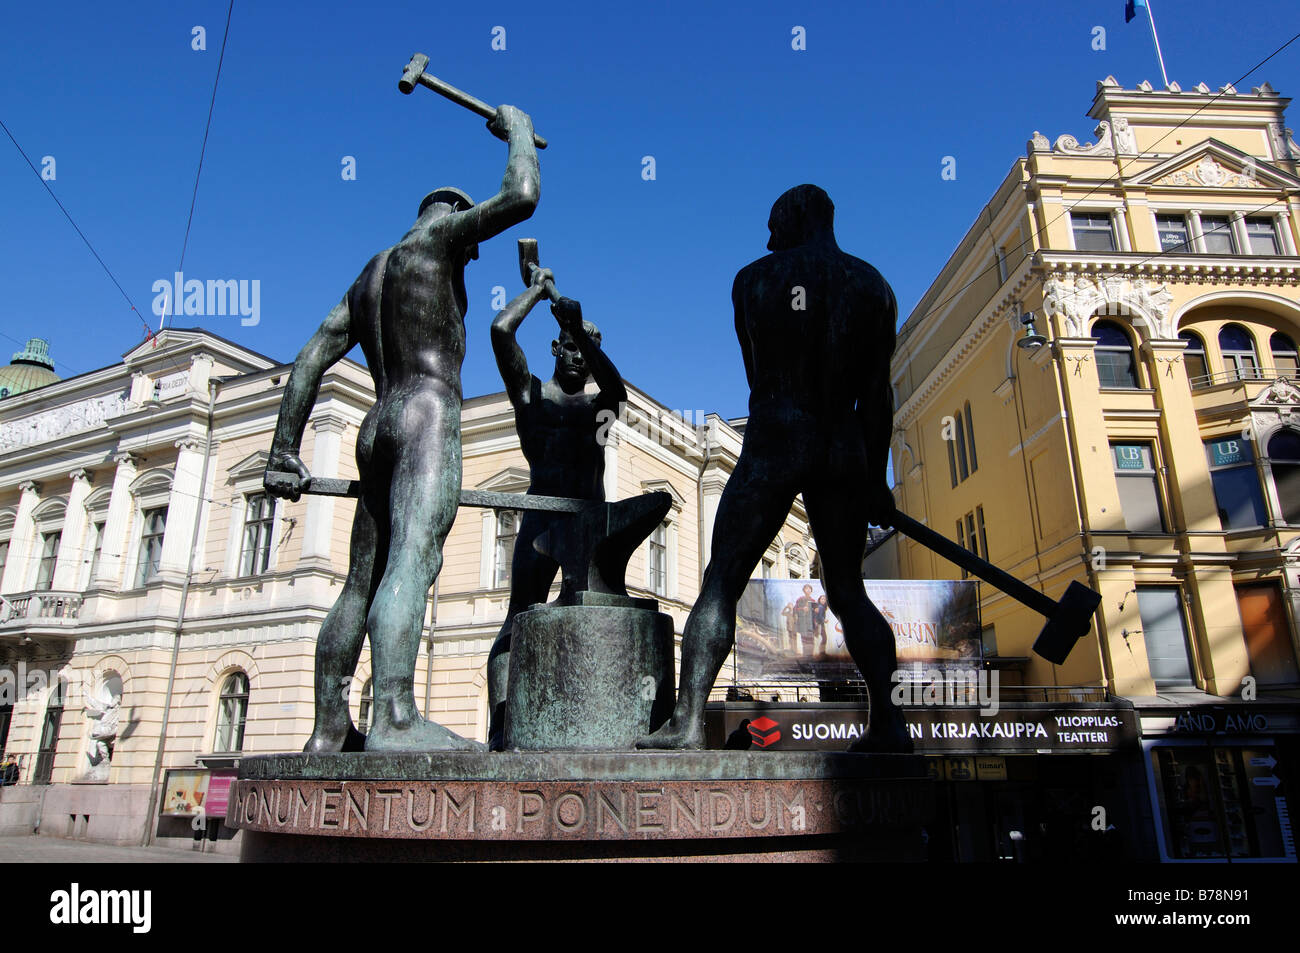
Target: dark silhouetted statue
{"points": [[816, 328]]}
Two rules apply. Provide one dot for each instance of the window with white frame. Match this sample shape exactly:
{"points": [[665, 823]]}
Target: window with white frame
{"points": [[232, 713], [1139, 487], [259, 518], [1217, 232], [1238, 350], [658, 560], [507, 531], [96, 550], [149, 560], [1261, 235], [1286, 361], [48, 559], [1093, 231], [1173, 233]]}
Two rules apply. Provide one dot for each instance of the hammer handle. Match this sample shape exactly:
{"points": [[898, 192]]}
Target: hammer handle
{"points": [[973, 564], [462, 98]]}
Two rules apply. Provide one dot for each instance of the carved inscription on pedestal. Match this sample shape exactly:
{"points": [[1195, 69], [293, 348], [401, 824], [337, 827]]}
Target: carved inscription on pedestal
{"points": [[579, 810]]}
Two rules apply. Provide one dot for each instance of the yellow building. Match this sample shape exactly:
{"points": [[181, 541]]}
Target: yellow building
{"points": [[144, 570], [1141, 435]]}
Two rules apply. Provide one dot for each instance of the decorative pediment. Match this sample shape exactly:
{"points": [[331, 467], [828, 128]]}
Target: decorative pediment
{"points": [[509, 480], [1215, 165], [253, 465], [663, 486], [1280, 393], [1078, 297]]}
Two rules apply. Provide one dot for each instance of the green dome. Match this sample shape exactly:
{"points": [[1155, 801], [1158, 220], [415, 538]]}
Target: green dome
{"points": [[31, 368]]}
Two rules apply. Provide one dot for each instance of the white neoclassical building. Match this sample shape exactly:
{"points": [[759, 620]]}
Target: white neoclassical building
{"points": [[159, 612]]}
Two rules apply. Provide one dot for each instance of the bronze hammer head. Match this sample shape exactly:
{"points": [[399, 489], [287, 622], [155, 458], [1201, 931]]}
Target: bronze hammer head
{"points": [[411, 75], [527, 259]]}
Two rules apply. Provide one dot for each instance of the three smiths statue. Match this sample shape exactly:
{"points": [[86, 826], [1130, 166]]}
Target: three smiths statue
{"points": [[558, 423], [407, 312], [816, 328]]}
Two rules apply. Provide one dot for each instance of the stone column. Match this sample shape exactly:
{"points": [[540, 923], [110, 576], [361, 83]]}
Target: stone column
{"points": [[72, 546], [182, 509], [318, 524], [1198, 236], [1121, 228], [1284, 231], [1237, 220], [108, 575], [21, 552]]}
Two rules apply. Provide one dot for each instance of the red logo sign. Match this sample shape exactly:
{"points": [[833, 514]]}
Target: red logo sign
{"points": [[764, 731]]}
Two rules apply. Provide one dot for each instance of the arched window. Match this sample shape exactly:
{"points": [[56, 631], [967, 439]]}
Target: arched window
{"points": [[367, 704], [231, 712], [1115, 364], [1198, 371], [1285, 362], [1238, 349], [962, 467], [1284, 461]]}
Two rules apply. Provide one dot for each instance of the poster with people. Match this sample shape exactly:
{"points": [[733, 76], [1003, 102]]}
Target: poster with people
{"points": [[785, 627]]}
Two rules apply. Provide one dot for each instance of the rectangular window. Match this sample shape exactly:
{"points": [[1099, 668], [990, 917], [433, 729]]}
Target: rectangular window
{"points": [[1172, 232], [96, 550], [769, 567], [1164, 630], [659, 560], [1217, 230], [151, 543], [507, 531], [1139, 490], [1261, 235], [1092, 231], [1236, 484], [984, 543], [49, 556], [259, 516], [4, 556]]}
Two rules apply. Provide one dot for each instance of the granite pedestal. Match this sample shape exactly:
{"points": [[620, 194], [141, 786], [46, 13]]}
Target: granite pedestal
{"points": [[567, 806]]}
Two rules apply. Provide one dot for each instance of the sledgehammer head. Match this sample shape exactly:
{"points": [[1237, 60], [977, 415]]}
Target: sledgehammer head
{"points": [[411, 75], [528, 259], [1069, 623]]}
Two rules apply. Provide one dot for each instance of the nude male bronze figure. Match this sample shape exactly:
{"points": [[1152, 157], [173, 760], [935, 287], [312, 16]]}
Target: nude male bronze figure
{"points": [[816, 328], [407, 312], [558, 424]]}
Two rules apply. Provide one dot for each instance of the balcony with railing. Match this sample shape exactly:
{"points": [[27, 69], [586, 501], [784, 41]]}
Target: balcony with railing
{"points": [[43, 609], [1241, 375]]}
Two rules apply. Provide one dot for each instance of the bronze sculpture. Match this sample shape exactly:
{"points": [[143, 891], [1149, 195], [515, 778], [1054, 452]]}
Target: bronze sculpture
{"points": [[406, 310], [558, 423], [816, 329]]}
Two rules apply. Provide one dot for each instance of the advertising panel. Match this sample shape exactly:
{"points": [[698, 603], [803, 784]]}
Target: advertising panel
{"points": [[784, 627]]}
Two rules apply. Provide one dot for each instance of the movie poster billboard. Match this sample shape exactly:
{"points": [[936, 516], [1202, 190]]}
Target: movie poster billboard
{"points": [[785, 628]]}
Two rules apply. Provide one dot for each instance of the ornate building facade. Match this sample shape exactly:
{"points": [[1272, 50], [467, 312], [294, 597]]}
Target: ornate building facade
{"points": [[1101, 385], [159, 612]]}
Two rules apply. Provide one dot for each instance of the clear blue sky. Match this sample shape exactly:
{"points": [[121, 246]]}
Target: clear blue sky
{"points": [[732, 115]]}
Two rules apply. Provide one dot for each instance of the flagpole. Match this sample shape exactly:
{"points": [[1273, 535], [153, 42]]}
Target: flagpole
{"points": [[1151, 18]]}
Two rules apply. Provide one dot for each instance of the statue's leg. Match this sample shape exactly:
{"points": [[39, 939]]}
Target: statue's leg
{"points": [[838, 520], [531, 575], [751, 512], [338, 646], [423, 496]]}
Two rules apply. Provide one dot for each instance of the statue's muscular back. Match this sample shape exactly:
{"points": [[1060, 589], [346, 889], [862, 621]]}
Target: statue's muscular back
{"points": [[806, 366], [408, 310]]}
